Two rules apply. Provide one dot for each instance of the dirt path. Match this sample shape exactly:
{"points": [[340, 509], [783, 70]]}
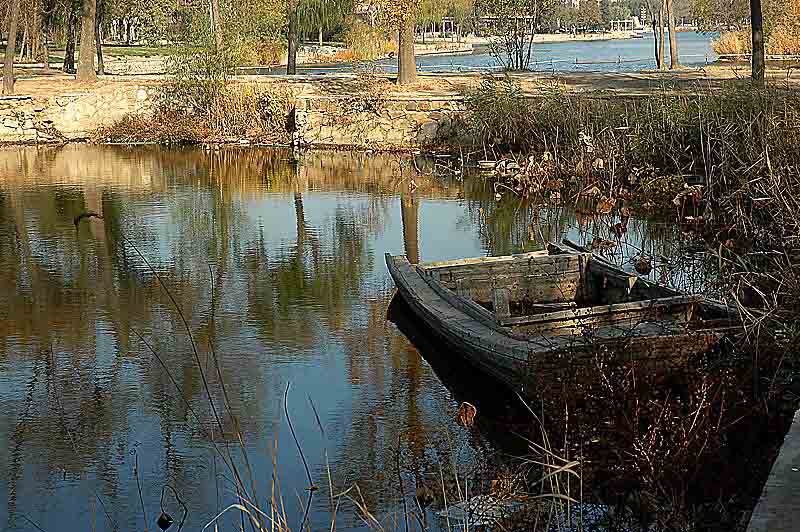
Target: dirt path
{"points": [[439, 85]]}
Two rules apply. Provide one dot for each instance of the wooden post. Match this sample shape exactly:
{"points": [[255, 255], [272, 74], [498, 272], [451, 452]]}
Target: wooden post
{"points": [[501, 302], [409, 211]]}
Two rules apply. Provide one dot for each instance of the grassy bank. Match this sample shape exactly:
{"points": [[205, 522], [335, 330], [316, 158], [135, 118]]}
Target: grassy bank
{"points": [[726, 136]]}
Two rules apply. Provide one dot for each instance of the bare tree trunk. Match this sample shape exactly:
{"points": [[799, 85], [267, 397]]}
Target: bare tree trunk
{"points": [[291, 63], [128, 32], [46, 50], [8, 64], [98, 35], [86, 70], [406, 61], [69, 53], [656, 43], [216, 24], [661, 63], [674, 60], [758, 66], [530, 43], [21, 55], [320, 35]]}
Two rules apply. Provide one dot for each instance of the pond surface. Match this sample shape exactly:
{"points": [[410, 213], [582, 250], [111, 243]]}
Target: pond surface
{"points": [[276, 260]]}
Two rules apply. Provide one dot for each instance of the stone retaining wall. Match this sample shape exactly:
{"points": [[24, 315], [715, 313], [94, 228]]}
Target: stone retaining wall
{"points": [[70, 116], [337, 121], [374, 123]]}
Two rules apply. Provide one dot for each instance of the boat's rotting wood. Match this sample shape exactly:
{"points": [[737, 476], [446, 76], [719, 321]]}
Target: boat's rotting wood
{"points": [[501, 302], [550, 307], [648, 333], [610, 285], [607, 283], [483, 346], [533, 290], [484, 260], [467, 306], [538, 265], [660, 352], [540, 279], [676, 306]]}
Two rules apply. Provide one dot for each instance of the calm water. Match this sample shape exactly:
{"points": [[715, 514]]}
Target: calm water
{"points": [[276, 261], [694, 49]]}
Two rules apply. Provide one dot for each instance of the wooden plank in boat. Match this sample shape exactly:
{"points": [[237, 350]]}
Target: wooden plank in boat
{"points": [[541, 292], [578, 313], [566, 285], [551, 307], [527, 276], [553, 266], [484, 260], [627, 319]]}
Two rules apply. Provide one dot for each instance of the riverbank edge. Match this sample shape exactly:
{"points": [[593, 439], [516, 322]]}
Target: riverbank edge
{"points": [[334, 112]]}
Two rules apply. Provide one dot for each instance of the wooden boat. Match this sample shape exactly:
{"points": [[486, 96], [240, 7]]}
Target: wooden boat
{"points": [[514, 316]]}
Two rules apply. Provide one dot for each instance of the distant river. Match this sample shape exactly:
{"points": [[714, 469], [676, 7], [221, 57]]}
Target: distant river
{"points": [[621, 55]]}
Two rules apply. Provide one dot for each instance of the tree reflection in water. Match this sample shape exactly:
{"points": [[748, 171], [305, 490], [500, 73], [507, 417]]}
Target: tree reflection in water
{"points": [[276, 259]]}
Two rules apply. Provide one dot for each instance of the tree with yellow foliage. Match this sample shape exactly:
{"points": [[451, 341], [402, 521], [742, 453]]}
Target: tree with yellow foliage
{"points": [[400, 16]]}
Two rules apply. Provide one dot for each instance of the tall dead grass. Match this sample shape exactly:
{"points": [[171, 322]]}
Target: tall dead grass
{"points": [[260, 113], [726, 135]]}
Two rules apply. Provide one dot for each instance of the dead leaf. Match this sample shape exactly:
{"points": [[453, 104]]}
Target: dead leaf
{"points": [[466, 414], [643, 265], [601, 244], [606, 205], [594, 191]]}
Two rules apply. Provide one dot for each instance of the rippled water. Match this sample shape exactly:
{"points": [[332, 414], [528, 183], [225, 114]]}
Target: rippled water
{"points": [[276, 260]]}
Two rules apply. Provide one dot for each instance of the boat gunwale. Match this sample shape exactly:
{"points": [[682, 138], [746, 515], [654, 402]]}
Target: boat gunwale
{"points": [[435, 265]]}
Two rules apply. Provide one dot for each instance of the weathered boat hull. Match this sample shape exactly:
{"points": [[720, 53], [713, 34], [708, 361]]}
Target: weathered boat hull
{"points": [[517, 360]]}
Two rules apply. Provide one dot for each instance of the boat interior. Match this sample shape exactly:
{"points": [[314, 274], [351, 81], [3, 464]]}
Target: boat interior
{"points": [[560, 291]]}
